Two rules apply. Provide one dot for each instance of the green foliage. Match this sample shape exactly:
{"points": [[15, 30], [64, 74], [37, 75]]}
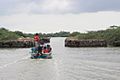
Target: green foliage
{"points": [[28, 35], [62, 34], [10, 35], [111, 35], [7, 35], [57, 34], [19, 33], [74, 34]]}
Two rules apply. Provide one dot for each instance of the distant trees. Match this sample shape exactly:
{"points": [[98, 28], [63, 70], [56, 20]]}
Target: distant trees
{"points": [[19, 33], [111, 35], [57, 34], [5, 34], [61, 34], [74, 34]]}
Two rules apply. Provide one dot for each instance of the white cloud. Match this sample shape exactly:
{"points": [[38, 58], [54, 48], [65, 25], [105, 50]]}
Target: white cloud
{"points": [[43, 7], [11, 7], [56, 6], [68, 22]]}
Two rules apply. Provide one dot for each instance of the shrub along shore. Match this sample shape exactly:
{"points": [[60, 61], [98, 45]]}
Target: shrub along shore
{"points": [[18, 39], [16, 44], [85, 43], [101, 38], [21, 43]]}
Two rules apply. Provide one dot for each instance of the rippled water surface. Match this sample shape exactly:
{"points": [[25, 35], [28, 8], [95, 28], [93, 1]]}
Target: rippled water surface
{"points": [[66, 64]]}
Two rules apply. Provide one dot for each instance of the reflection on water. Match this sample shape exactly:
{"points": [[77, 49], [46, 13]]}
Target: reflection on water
{"points": [[67, 64]]}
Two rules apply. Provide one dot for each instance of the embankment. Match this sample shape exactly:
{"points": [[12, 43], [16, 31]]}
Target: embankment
{"points": [[72, 42], [16, 44], [21, 43], [85, 43]]}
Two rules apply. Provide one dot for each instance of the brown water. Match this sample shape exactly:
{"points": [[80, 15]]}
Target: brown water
{"points": [[67, 64]]}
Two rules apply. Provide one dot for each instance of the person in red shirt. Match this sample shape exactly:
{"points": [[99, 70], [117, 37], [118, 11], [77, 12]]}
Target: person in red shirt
{"points": [[45, 50], [37, 40]]}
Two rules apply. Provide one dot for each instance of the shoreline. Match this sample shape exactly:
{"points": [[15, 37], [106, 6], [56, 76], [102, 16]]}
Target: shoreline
{"points": [[20, 43], [73, 42]]}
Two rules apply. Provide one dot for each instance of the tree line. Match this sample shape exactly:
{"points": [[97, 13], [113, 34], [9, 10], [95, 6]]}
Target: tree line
{"points": [[6, 34], [111, 35]]}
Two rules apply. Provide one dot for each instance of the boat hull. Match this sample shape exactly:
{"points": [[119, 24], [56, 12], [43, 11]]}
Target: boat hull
{"points": [[43, 56]]}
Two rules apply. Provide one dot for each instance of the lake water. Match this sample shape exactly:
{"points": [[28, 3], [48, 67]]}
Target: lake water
{"points": [[66, 64]]}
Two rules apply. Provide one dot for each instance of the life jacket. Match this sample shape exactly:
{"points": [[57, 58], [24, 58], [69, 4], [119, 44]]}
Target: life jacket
{"points": [[36, 38]]}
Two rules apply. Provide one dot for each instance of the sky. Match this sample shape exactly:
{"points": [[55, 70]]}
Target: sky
{"points": [[47, 16]]}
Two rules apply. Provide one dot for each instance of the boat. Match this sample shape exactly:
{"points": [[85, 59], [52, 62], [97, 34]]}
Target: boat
{"points": [[43, 51], [43, 56]]}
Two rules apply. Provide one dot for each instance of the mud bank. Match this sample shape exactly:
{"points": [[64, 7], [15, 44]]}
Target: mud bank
{"points": [[85, 43], [20, 43]]}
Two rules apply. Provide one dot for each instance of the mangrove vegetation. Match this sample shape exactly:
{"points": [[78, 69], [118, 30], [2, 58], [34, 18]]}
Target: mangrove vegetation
{"points": [[110, 35]]}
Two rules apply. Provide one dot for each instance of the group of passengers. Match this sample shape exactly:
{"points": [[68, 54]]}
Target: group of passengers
{"points": [[40, 47]]}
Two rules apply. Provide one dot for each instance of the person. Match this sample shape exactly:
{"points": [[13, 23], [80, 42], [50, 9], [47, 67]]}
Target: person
{"points": [[45, 50], [49, 48], [40, 49], [37, 40], [33, 49], [33, 53], [37, 43]]}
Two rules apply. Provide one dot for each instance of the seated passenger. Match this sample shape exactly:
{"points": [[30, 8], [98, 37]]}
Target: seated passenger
{"points": [[49, 48], [40, 49], [34, 50], [45, 50]]}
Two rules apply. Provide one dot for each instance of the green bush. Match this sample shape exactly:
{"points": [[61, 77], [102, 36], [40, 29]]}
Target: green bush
{"points": [[111, 35]]}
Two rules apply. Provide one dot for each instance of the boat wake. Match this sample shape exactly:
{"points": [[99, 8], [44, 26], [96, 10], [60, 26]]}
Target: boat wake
{"points": [[14, 62]]}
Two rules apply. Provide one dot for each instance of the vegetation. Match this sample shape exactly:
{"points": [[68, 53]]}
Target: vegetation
{"points": [[5, 34], [111, 35], [57, 34]]}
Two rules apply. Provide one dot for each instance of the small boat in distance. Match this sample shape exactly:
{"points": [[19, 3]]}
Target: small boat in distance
{"points": [[44, 50]]}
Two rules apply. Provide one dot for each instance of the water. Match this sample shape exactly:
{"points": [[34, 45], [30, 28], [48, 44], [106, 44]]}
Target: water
{"points": [[67, 64]]}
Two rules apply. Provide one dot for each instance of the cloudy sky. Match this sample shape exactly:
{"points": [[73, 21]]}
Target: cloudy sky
{"points": [[59, 15]]}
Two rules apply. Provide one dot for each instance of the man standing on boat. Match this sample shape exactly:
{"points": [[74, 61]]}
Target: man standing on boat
{"points": [[37, 40], [38, 46]]}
